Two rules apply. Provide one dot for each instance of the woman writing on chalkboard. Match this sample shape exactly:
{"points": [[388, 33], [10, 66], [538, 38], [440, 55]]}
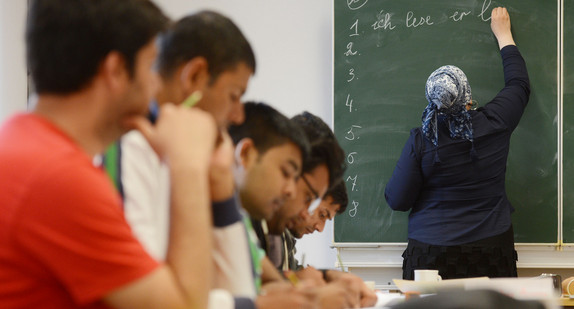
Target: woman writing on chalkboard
{"points": [[452, 169]]}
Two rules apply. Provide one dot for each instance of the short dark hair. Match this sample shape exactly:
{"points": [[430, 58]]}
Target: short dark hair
{"points": [[324, 147], [268, 128], [339, 195], [205, 34], [66, 40]]}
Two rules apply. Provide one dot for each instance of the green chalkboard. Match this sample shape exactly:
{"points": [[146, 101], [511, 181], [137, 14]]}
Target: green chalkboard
{"points": [[383, 53], [568, 116]]}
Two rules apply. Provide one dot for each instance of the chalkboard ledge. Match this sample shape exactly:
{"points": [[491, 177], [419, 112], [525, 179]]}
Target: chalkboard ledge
{"points": [[388, 255]]}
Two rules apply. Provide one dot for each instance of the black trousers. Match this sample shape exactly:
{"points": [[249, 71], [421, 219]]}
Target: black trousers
{"points": [[492, 257]]}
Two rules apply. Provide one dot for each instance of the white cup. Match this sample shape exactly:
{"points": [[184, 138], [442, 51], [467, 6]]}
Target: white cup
{"points": [[427, 275]]}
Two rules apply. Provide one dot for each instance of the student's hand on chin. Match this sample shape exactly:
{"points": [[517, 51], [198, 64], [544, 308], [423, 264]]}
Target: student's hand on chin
{"points": [[180, 134]]}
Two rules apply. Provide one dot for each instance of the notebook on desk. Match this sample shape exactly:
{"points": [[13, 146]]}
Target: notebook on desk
{"points": [[427, 287]]}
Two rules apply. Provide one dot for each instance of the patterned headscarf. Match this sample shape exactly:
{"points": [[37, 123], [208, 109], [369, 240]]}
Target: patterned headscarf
{"points": [[448, 93]]}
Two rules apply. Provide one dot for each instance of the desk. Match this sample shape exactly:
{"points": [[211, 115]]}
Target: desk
{"points": [[566, 302]]}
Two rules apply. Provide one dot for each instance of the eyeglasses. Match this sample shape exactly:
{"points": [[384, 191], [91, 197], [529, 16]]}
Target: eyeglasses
{"points": [[316, 198]]}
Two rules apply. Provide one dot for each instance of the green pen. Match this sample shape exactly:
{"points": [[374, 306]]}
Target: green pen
{"points": [[192, 99]]}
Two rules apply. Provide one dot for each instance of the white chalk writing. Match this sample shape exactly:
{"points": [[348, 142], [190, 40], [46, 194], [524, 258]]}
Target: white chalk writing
{"points": [[458, 16], [412, 21], [485, 6], [356, 4], [356, 26], [349, 103], [351, 157], [350, 51], [353, 211], [352, 74], [350, 135], [383, 21], [354, 179]]}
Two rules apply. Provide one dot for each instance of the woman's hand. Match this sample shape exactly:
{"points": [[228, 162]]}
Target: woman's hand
{"points": [[500, 25]]}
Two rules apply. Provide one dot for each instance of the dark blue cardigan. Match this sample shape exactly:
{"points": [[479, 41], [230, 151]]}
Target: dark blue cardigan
{"points": [[459, 200]]}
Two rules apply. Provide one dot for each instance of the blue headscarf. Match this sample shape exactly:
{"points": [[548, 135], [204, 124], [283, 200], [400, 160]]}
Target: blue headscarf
{"points": [[448, 92]]}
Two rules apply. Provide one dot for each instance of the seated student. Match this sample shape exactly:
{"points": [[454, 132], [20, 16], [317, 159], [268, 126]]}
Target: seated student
{"points": [[269, 153], [256, 187], [267, 134], [206, 53], [334, 202], [218, 66], [324, 163], [322, 142], [324, 167], [64, 242]]}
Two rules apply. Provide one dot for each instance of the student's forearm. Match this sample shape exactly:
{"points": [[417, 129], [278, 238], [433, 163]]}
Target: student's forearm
{"points": [[189, 250], [270, 273]]}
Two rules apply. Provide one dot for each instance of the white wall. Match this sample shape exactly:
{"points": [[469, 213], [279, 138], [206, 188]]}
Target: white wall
{"points": [[13, 76], [292, 42]]}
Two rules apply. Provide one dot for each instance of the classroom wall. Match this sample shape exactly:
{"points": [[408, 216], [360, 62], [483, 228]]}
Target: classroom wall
{"points": [[292, 41], [13, 77]]}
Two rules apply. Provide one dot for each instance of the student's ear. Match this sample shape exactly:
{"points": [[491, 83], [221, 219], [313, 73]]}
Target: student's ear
{"points": [[246, 153], [194, 75], [114, 72]]}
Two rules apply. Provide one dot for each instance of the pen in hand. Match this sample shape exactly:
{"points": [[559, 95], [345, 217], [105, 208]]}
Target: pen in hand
{"points": [[192, 99], [292, 277]]}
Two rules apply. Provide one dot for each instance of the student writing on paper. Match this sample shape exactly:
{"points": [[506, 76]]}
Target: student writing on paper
{"points": [[270, 150], [333, 203], [451, 173], [255, 192], [323, 167], [337, 289]]}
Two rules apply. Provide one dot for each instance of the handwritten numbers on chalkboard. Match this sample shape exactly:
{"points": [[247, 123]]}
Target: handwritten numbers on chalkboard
{"points": [[353, 211], [352, 74], [350, 51], [351, 157], [350, 135], [354, 179], [349, 103], [356, 26], [352, 77]]}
